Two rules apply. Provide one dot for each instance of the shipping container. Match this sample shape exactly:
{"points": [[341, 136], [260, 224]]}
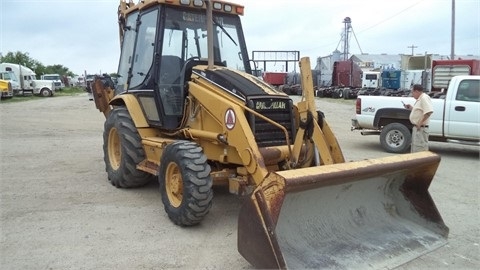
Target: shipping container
{"points": [[391, 79], [444, 70], [346, 74], [275, 78]]}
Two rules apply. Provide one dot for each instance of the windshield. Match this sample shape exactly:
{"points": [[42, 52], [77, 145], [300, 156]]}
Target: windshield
{"points": [[51, 77], [185, 36], [9, 76]]}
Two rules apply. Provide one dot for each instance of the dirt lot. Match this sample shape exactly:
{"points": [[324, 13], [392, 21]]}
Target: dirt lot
{"points": [[58, 211]]}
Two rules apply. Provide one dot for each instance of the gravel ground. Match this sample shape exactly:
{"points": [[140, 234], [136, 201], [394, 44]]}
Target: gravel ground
{"points": [[58, 211]]}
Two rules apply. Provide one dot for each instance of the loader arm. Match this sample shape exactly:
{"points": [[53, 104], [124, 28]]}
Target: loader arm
{"points": [[324, 140]]}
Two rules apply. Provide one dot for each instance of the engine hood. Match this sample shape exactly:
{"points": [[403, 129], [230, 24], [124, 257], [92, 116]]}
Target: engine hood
{"points": [[237, 83]]}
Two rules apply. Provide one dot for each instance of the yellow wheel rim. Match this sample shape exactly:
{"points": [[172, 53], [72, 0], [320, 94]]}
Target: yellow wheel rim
{"points": [[114, 149], [174, 184]]}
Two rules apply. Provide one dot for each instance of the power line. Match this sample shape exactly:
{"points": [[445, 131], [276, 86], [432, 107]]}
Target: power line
{"points": [[391, 17]]}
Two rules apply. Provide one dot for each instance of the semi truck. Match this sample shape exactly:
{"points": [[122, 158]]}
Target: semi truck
{"points": [[346, 80], [346, 74], [28, 81], [56, 78]]}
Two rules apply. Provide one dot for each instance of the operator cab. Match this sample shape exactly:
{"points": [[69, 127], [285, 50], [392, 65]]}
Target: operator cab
{"points": [[162, 43]]}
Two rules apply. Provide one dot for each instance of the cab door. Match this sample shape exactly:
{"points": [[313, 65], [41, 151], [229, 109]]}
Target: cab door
{"points": [[462, 113]]}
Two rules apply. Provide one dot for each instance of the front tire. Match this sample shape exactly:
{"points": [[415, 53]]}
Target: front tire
{"points": [[185, 183], [123, 150], [45, 93], [395, 138]]}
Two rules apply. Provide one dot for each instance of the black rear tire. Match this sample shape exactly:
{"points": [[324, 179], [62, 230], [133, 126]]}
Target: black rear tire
{"points": [[395, 138], [185, 183], [122, 148], [340, 93]]}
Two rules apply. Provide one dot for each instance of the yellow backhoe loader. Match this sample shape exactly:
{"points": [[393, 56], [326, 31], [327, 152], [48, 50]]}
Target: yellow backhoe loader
{"points": [[186, 111]]}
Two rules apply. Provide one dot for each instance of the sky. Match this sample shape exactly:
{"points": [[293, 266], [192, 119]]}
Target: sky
{"points": [[83, 34]]}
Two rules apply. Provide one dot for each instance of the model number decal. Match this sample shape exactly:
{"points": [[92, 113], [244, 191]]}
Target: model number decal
{"points": [[369, 109], [274, 105]]}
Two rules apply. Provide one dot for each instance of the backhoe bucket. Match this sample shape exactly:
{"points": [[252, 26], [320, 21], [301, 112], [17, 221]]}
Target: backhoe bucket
{"points": [[367, 214]]}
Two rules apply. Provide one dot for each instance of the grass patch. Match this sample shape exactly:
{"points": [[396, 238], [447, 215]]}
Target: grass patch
{"points": [[67, 91]]}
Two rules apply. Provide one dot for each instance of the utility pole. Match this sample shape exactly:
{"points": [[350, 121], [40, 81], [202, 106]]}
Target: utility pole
{"points": [[412, 47], [452, 52]]}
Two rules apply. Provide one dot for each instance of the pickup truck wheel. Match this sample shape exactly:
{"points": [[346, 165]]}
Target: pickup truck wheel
{"points": [[123, 150], [395, 138], [185, 183]]}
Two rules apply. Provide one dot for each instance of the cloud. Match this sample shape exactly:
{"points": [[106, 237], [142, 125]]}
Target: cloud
{"points": [[380, 26], [83, 35]]}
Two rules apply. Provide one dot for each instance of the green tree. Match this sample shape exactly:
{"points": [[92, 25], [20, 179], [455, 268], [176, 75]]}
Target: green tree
{"points": [[22, 59], [58, 69], [25, 60]]}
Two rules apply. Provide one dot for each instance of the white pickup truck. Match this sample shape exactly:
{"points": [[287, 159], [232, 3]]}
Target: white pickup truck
{"points": [[455, 118]]}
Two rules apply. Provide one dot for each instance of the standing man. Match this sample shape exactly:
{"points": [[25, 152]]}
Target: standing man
{"points": [[419, 117]]}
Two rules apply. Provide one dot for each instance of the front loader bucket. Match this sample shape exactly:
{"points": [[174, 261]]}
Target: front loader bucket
{"points": [[368, 214]]}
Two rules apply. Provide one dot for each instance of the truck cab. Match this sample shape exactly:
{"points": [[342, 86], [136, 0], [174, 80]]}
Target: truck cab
{"points": [[461, 118], [5, 89], [371, 79], [56, 78], [10, 76]]}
